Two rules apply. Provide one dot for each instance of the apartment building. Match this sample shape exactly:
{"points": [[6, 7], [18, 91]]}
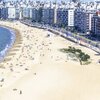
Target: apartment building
{"points": [[96, 24], [48, 15], [83, 20]]}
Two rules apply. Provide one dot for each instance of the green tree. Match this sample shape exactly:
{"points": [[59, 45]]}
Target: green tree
{"points": [[78, 53]]}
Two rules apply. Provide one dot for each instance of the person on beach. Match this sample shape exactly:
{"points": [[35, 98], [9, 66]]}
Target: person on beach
{"points": [[20, 92]]}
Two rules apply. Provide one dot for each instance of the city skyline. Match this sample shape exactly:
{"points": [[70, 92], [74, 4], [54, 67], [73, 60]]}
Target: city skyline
{"points": [[52, 0]]}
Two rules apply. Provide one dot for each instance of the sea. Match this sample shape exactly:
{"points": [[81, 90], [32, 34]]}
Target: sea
{"points": [[7, 38]]}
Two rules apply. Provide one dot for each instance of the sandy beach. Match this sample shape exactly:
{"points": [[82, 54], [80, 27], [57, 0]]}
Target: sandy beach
{"points": [[35, 69]]}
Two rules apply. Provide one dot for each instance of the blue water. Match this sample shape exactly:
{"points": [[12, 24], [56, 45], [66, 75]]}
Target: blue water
{"points": [[5, 38]]}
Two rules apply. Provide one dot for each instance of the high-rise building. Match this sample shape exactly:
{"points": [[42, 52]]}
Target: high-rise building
{"points": [[96, 24], [65, 17], [48, 16], [62, 17], [39, 14], [4, 13], [83, 20], [34, 14], [11, 13], [17, 13], [71, 17], [26, 12]]}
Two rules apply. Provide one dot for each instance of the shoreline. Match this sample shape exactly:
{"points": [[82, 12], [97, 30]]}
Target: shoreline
{"points": [[37, 70], [14, 39], [3, 53]]}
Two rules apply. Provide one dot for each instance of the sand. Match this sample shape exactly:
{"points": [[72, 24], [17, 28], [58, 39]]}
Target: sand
{"points": [[35, 69]]}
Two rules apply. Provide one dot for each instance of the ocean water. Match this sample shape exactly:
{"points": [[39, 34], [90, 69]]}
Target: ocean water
{"points": [[7, 38]]}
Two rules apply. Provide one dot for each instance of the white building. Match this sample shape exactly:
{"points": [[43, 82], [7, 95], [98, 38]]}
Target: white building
{"points": [[70, 17], [11, 12]]}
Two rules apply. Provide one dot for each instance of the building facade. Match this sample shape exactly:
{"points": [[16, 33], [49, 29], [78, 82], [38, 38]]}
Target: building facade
{"points": [[62, 17], [65, 17], [70, 17], [37, 14], [96, 24], [27, 13], [34, 14], [83, 20], [48, 16], [4, 13], [11, 13]]}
